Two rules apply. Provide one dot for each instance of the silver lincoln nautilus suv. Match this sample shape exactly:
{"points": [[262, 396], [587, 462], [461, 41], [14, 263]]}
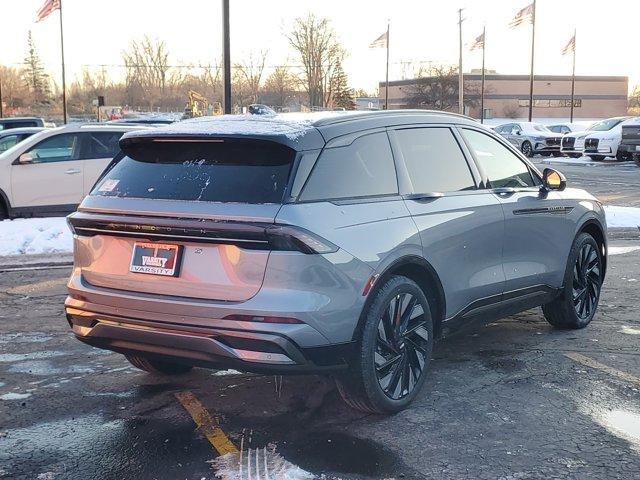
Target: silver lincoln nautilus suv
{"points": [[343, 243]]}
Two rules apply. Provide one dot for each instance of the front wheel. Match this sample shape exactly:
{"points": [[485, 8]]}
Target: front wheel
{"points": [[157, 366], [596, 158], [527, 149], [558, 154], [394, 350], [576, 306]]}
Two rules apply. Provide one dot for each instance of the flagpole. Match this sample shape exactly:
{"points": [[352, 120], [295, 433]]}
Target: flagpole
{"points": [[484, 46], [386, 88], [64, 81], [533, 46], [573, 73], [460, 74]]}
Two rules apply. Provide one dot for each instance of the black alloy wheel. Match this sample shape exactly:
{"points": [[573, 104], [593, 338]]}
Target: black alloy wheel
{"points": [[401, 346], [527, 149], [586, 281]]}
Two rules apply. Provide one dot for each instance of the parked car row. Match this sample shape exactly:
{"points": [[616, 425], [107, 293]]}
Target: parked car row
{"points": [[617, 137]]}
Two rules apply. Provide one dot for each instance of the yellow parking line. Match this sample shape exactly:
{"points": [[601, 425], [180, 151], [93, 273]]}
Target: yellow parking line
{"points": [[206, 423], [34, 287], [590, 362]]}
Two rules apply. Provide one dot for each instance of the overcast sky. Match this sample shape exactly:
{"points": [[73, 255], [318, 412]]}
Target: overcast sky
{"points": [[96, 32]]}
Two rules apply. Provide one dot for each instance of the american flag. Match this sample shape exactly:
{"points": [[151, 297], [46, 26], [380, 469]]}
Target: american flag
{"points": [[571, 46], [381, 41], [525, 15], [45, 10], [478, 43]]}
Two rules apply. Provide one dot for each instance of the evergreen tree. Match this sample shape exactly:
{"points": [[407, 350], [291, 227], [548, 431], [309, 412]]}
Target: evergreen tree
{"points": [[34, 75], [342, 94]]}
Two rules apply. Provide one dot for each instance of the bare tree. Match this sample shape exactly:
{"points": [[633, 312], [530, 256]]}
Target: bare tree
{"points": [[249, 76], [634, 101], [279, 88], [436, 87], [511, 110], [147, 66], [15, 94], [320, 53]]}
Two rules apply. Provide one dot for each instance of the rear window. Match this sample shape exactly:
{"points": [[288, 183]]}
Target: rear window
{"points": [[216, 171]]}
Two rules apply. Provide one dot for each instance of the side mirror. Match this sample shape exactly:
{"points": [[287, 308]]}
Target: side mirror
{"points": [[25, 158], [518, 132], [553, 180]]}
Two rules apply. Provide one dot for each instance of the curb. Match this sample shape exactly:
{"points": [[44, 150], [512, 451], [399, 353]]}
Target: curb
{"points": [[33, 262]]}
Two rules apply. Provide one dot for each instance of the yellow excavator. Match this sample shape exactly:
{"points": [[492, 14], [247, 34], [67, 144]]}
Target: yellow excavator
{"points": [[198, 106]]}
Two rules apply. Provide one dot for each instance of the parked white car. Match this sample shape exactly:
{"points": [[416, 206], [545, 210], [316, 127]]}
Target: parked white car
{"points": [[565, 128], [51, 171], [603, 142]]}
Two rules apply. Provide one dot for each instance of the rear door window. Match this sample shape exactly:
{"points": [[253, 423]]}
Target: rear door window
{"points": [[100, 144], [241, 171], [502, 167], [7, 142], [364, 168], [434, 160]]}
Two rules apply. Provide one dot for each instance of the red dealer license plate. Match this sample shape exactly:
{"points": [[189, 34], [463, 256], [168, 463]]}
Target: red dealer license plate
{"points": [[156, 259]]}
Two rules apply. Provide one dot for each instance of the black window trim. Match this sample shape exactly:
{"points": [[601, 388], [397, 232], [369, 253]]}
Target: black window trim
{"points": [[535, 173], [337, 143]]}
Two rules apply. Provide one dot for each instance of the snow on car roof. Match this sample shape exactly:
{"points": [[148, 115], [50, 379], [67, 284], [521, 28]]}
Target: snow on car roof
{"points": [[290, 125]]}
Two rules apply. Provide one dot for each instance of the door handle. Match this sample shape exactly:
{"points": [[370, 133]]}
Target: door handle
{"points": [[423, 196], [504, 190], [72, 171]]}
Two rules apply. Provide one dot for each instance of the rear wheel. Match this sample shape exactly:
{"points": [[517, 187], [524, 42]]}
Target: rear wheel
{"points": [[527, 149], [575, 155], [596, 158], [157, 366], [394, 351], [577, 305], [622, 156], [557, 154]]}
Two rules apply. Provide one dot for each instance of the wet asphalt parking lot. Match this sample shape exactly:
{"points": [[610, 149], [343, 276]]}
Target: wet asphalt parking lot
{"points": [[514, 399]]}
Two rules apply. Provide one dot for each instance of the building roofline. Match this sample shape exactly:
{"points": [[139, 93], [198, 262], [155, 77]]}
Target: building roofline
{"points": [[475, 76]]}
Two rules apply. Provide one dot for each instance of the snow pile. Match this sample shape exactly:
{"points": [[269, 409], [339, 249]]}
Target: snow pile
{"points": [[622, 217], [260, 464], [35, 235]]}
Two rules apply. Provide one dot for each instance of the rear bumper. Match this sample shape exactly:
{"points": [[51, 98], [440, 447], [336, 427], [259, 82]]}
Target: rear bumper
{"points": [[212, 347]]}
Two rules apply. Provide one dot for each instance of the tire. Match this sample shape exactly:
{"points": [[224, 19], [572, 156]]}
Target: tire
{"points": [[596, 158], [583, 274], [637, 160], [392, 357], [622, 156], [157, 366], [545, 154], [527, 149], [575, 155], [558, 154]]}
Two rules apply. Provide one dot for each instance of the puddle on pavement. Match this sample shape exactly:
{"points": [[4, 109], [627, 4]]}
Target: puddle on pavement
{"points": [[339, 453]]}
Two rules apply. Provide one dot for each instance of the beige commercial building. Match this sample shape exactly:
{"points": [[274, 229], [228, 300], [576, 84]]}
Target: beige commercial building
{"points": [[507, 96]]}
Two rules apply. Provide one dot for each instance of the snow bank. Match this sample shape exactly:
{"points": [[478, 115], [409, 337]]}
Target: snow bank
{"points": [[622, 217], [35, 235]]}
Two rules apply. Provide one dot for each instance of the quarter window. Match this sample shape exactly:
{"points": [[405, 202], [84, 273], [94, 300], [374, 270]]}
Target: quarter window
{"points": [[362, 169], [434, 160], [58, 148], [502, 167]]}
